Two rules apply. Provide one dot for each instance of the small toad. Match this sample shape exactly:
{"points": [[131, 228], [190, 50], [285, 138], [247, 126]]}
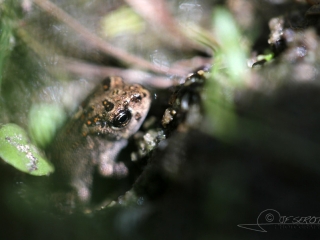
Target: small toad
{"points": [[97, 133]]}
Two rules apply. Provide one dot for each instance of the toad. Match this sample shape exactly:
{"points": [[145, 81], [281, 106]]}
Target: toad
{"points": [[96, 134]]}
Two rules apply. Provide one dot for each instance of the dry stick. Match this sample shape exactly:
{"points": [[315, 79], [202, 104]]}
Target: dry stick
{"points": [[97, 42], [131, 76], [93, 71]]}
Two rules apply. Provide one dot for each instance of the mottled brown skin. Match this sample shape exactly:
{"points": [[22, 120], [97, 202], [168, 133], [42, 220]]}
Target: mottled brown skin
{"points": [[97, 133]]}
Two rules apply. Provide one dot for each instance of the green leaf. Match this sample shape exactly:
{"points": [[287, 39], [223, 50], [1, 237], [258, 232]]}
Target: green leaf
{"points": [[228, 75], [122, 20], [44, 120], [232, 52], [220, 108], [6, 35], [16, 150]]}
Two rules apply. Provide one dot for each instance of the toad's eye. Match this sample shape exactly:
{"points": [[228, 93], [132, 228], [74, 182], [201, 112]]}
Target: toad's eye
{"points": [[122, 119]]}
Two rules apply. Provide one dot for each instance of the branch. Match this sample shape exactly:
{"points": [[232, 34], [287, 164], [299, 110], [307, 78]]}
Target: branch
{"points": [[97, 42]]}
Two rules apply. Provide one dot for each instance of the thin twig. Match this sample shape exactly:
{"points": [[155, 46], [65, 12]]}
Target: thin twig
{"points": [[93, 71]]}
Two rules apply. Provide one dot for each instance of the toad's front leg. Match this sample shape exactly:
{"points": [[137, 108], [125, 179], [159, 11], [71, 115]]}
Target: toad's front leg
{"points": [[107, 164]]}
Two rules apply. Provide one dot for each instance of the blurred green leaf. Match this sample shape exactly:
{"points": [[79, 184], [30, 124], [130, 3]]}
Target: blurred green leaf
{"points": [[16, 149], [228, 75], [232, 52], [123, 20], [44, 120], [7, 16], [220, 109], [268, 57]]}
